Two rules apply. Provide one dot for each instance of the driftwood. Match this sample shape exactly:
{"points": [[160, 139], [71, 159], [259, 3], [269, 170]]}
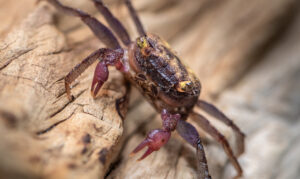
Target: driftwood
{"points": [[246, 55]]}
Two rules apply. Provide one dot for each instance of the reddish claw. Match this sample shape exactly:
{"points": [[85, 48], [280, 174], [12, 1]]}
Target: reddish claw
{"points": [[100, 76], [155, 139]]}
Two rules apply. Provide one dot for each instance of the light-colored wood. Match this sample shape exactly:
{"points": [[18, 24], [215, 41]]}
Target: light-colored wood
{"points": [[241, 51], [42, 132]]}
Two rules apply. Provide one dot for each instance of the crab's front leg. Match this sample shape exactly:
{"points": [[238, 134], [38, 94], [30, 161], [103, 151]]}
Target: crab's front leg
{"points": [[159, 137]]}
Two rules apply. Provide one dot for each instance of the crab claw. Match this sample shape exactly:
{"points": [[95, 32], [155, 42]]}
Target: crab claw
{"points": [[100, 76], [155, 139]]}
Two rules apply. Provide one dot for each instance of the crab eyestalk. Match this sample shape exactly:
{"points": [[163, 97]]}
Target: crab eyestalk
{"points": [[155, 140]]}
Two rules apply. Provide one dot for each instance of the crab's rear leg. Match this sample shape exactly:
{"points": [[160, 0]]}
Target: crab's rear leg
{"points": [[215, 112], [211, 130], [190, 134], [106, 57]]}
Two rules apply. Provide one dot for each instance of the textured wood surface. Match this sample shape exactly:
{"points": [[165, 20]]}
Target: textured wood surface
{"points": [[246, 55], [42, 133]]}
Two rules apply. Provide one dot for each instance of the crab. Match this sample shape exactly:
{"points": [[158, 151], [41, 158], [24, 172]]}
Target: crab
{"points": [[156, 71]]}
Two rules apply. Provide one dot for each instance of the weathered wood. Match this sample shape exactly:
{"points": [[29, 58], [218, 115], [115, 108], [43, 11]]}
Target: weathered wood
{"points": [[266, 105], [42, 134], [12, 13]]}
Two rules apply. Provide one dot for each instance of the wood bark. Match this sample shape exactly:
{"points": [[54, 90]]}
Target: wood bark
{"points": [[245, 53]]}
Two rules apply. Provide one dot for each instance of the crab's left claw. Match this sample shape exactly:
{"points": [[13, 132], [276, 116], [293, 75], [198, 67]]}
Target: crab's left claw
{"points": [[155, 140]]}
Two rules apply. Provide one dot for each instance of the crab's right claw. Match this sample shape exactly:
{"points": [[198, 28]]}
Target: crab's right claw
{"points": [[155, 140], [145, 143], [100, 76]]}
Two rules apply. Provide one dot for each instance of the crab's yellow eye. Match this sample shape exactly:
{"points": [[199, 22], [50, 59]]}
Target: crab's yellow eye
{"points": [[184, 86], [142, 42], [167, 44]]}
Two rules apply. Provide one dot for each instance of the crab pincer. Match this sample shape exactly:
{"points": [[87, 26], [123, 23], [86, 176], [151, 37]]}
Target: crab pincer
{"points": [[155, 140], [107, 58], [158, 137], [100, 76]]}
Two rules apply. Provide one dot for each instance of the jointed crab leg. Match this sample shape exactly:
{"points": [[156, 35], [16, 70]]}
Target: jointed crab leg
{"points": [[190, 134], [80, 68], [100, 30], [207, 127], [202, 167], [105, 35], [135, 18], [215, 112], [113, 22], [124, 100]]}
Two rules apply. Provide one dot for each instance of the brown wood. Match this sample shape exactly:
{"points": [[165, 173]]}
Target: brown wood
{"points": [[245, 53], [42, 132]]}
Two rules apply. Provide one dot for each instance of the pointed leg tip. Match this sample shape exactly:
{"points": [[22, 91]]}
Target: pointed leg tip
{"points": [[140, 159], [133, 154], [93, 95], [146, 154], [70, 97]]}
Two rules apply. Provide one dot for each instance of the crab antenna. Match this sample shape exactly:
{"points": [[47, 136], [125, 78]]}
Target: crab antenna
{"points": [[135, 18]]}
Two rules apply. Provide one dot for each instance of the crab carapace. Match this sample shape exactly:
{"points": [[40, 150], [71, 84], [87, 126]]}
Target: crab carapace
{"points": [[152, 66]]}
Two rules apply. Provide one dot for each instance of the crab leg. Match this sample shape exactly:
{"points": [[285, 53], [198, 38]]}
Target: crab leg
{"points": [[215, 112], [124, 100], [135, 18], [207, 127], [100, 30], [80, 68], [113, 22], [190, 134]]}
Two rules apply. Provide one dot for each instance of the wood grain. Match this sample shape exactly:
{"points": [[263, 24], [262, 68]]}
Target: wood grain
{"points": [[42, 132]]}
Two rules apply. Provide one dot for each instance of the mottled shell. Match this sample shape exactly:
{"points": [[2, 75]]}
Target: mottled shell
{"points": [[177, 85]]}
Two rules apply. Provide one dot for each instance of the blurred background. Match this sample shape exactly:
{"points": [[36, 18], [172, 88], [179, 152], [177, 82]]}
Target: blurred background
{"points": [[246, 54]]}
